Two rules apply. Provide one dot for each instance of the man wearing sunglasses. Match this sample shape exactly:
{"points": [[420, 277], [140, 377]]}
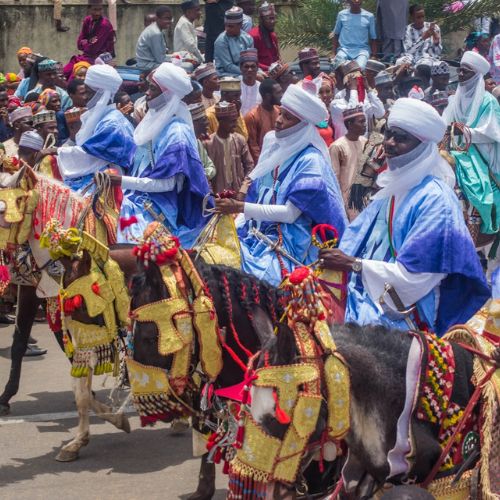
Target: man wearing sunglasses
{"points": [[412, 237]]}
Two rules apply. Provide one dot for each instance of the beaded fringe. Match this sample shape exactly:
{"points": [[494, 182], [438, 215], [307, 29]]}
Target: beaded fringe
{"points": [[83, 360]]}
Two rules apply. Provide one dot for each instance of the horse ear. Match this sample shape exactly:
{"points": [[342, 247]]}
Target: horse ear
{"points": [[262, 324]]}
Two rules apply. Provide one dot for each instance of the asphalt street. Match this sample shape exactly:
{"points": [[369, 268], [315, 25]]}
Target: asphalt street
{"points": [[148, 463]]}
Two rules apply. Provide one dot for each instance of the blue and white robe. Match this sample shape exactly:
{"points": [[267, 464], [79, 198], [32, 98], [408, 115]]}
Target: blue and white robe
{"points": [[429, 236], [308, 182], [111, 144], [172, 155]]}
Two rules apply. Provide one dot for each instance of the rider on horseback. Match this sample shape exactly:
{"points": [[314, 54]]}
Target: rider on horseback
{"points": [[412, 236]]}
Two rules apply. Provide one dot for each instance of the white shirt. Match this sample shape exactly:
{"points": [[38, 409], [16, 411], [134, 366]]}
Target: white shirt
{"points": [[250, 97], [185, 38]]}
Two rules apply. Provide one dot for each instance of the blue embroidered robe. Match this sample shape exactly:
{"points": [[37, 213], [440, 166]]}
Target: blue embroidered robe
{"points": [[174, 152], [307, 181], [429, 236], [113, 142]]}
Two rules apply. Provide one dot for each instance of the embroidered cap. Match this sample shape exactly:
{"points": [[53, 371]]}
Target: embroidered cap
{"points": [[197, 111], [277, 69], [72, 115], [308, 54], [233, 16], [225, 109], [21, 112], [47, 65], [440, 68], [352, 113], [44, 116], [248, 55], [204, 70], [383, 78], [228, 84]]}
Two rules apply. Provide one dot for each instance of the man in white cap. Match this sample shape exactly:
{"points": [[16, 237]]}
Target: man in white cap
{"points": [[167, 181], [412, 236], [105, 137], [30, 144], [293, 188]]}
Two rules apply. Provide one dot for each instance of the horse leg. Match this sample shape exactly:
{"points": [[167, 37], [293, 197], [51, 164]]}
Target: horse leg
{"points": [[206, 481], [27, 305], [105, 412], [83, 396]]}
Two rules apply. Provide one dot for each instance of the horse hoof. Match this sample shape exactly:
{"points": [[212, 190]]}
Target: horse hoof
{"points": [[67, 456], [124, 424], [4, 409]]}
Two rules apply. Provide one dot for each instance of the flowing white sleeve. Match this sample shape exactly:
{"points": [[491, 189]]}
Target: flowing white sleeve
{"points": [[410, 287], [286, 214], [376, 104], [148, 185], [74, 162]]}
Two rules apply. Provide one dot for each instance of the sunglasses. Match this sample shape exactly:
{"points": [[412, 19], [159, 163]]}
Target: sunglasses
{"points": [[397, 135]]}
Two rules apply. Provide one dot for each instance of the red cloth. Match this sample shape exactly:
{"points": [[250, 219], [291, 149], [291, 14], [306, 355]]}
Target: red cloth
{"points": [[267, 55], [103, 31]]}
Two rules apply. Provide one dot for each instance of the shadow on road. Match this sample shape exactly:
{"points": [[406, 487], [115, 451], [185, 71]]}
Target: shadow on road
{"points": [[157, 449]]}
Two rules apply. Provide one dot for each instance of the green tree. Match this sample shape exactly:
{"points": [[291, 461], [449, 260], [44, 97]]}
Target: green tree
{"points": [[311, 21]]}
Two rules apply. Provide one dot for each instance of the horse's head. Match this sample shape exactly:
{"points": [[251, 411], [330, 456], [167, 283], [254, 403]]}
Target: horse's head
{"points": [[299, 405]]}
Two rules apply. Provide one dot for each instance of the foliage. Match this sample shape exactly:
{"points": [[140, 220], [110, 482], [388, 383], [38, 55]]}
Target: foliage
{"points": [[312, 21]]}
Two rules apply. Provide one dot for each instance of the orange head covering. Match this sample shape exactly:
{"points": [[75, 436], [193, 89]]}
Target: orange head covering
{"points": [[12, 78], [24, 50], [45, 96], [79, 65]]}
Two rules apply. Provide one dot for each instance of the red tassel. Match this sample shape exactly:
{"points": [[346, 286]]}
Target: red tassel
{"points": [[95, 288], [126, 222], [225, 468], [4, 274], [239, 436], [77, 302], [281, 415]]}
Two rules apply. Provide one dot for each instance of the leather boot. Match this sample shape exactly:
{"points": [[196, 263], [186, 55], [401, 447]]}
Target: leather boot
{"points": [[206, 481]]}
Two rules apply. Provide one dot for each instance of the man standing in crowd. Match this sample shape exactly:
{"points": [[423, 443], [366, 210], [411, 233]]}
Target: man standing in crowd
{"points": [[167, 172], [412, 236], [354, 34], [262, 119], [214, 24], [385, 89], [185, 37], [228, 150], [346, 152], [310, 65], [294, 169], [422, 38], [206, 76], [230, 43], [391, 22], [97, 34], [280, 72], [106, 136], [21, 120], [200, 124], [264, 37], [151, 49], [250, 96], [373, 68], [230, 91]]}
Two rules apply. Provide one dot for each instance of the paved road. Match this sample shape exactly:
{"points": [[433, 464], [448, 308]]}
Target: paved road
{"points": [[150, 463]]}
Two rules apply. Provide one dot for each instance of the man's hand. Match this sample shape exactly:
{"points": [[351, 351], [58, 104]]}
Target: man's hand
{"points": [[48, 151], [336, 259], [229, 206], [457, 130], [93, 40]]}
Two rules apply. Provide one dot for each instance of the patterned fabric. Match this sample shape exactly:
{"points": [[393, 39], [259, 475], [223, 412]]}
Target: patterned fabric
{"points": [[417, 47]]}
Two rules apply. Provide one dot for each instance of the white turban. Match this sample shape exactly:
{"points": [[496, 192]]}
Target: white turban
{"points": [[476, 62], [408, 170], [174, 83], [278, 147], [103, 77], [418, 118], [106, 81], [31, 140], [172, 78], [305, 106]]}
